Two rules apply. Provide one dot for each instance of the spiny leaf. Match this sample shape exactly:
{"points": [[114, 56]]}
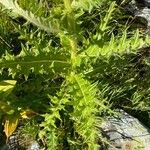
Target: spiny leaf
{"points": [[107, 18], [83, 96], [40, 63], [50, 131], [85, 4], [118, 45], [38, 21]]}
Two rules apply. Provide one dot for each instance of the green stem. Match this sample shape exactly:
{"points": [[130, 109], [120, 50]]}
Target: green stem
{"points": [[67, 4], [72, 29], [73, 45]]}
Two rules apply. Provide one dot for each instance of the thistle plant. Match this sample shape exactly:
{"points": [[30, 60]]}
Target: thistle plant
{"points": [[68, 58]]}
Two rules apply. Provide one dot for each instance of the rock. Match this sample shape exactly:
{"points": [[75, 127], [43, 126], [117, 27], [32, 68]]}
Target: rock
{"points": [[140, 9], [19, 143], [31, 146], [126, 133], [147, 3], [34, 146], [144, 13]]}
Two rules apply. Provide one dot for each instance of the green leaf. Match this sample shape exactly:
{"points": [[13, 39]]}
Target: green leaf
{"points": [[5, 108], [38, 21], [83, 100], [7, 86], [85, 4], [42, 63], [104, 23]]}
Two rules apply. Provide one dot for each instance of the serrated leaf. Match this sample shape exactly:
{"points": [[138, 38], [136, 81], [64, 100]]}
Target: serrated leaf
{"points": [[84, 102], [39, 64], [38, 21], [107, 18]]}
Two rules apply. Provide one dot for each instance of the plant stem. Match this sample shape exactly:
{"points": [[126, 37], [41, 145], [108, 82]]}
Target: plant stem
{"points": [[72, 30]]}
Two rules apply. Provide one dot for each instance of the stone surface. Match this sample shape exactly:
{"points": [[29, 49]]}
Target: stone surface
{"points": [[140, 8], [126, 133], [147, 3]]}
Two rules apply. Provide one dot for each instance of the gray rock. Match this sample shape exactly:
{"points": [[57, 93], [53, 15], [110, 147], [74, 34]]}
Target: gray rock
{"points": [[147, 3], [144, 13], [34, 146], [141, 10], [126, 133]]}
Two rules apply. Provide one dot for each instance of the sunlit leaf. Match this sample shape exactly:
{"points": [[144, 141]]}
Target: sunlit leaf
{"points": [[28, 114], [7, 86], [10, 126], [5, 108]]}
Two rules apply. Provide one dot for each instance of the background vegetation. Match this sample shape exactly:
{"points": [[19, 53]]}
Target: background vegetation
{"points": [[66, 65]]}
